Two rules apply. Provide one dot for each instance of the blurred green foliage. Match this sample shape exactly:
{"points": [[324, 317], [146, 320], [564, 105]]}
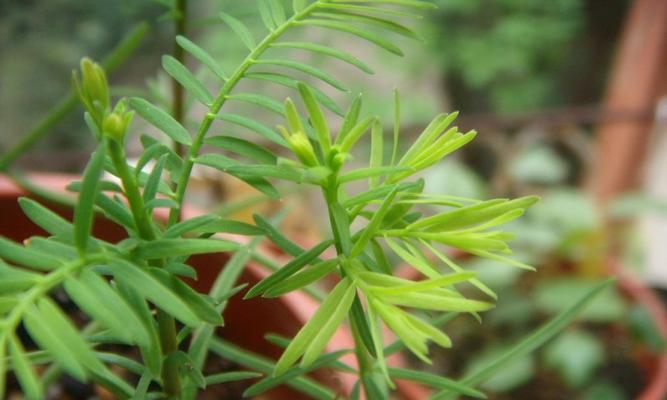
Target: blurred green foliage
{"points": [[518, 55], [501, 55], [539, 164], [513, 375], [575, 355], [41, 42], [509, 48]]}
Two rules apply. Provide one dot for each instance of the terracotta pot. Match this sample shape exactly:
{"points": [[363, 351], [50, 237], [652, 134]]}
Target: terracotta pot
{"points": [[246, 321], [656, 389]]}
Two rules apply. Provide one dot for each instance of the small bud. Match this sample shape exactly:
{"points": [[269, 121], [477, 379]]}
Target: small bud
{"points": [[93, 90], [293, 119], [113, 126], [94, 84], [338, 160], [301, 146], [116, 123], [76, 83]]}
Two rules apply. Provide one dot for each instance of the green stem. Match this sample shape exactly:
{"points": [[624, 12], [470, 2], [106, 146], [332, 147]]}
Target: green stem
{"points": [[177, 92], [229, 85], [166, 324], [171, 381], [131, 189], [118, 55], [364, 359]]}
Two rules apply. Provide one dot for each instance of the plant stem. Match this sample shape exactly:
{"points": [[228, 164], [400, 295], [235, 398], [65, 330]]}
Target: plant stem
{"points": [[166, 324], [131, 189], [111, 62], [364, 359], [229, 85], [171, 380], [177, 93]]}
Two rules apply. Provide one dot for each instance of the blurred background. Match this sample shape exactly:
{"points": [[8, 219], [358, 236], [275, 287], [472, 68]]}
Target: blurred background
{"points": [[568, 97]]}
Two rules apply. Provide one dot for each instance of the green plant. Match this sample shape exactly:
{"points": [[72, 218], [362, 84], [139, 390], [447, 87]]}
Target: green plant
{"points": [[132, 290]]}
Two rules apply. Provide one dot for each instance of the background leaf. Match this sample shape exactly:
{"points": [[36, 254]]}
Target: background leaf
{"points": [[183, 75], [161, 120], [240, 30], [575, 355], [201, 55]]}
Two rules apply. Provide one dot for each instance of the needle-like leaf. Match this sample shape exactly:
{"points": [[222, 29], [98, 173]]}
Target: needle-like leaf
{"points": [[356, 31], [14, 252], [46, 219], [302, 279], [253, 125], [288, 270], [260, 100], [327, 51], [277, 12], [290, 82], [317, 323], [373, 225], [83, 213], [240, 30], [243, 148], [161, 120], [436, 381], [308, 69], [156, 291], [24, 371], [265, 14], [161, 248], [52, 330], [317, 118], [93, 295], [183, 75], [201, 55]]}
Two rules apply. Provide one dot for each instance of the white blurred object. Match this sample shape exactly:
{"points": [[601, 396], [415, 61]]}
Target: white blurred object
{"points": [[653, 226]]}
